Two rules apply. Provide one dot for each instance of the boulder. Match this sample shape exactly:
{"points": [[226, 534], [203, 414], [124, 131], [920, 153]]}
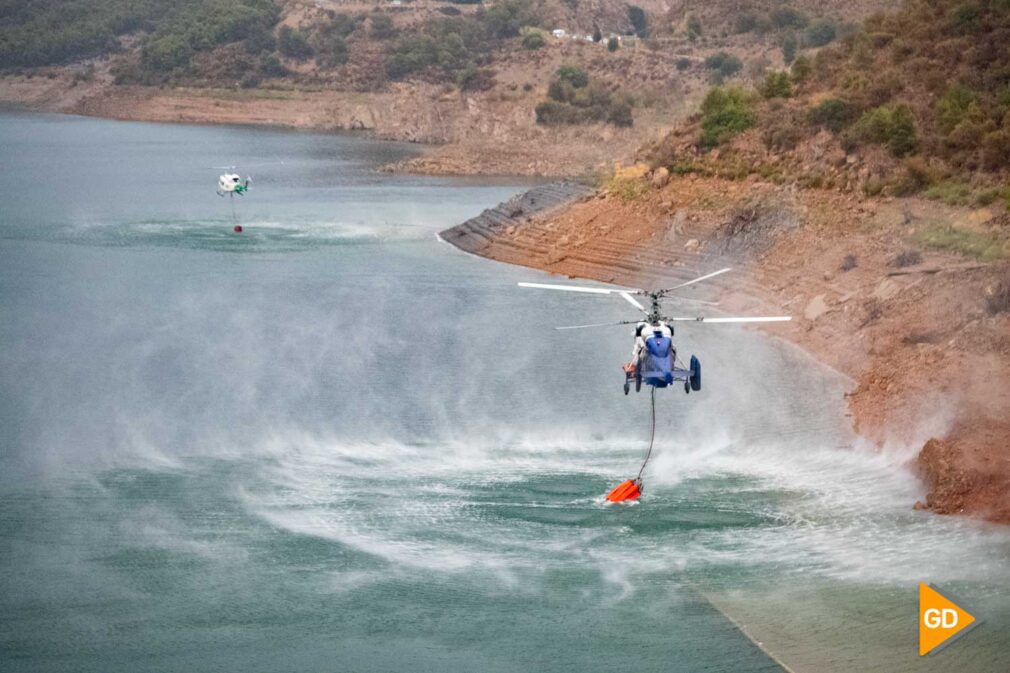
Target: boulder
{"points": [[816, 307]]}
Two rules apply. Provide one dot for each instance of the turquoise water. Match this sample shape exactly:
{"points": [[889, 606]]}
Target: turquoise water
{"points": [[334, 443]]}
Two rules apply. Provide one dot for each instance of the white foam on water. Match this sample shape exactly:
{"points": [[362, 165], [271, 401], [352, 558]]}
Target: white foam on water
{"points": [[843, 513], [192, 233]]}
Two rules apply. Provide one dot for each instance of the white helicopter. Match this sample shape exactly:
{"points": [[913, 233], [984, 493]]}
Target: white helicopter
{"points": [[657, 363], [231, 183]]}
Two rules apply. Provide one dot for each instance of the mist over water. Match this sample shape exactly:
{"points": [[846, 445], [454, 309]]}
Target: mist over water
{"points": [[335, 443]]}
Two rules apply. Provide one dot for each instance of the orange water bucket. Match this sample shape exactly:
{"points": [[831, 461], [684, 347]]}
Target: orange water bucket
{"points": [[627, 490]]}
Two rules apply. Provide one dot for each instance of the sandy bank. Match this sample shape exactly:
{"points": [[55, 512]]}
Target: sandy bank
{"points": [[930, 356]]}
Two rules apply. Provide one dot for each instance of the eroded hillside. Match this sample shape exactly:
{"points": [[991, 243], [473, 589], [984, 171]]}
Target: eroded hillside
{"points": [[470, 77]]}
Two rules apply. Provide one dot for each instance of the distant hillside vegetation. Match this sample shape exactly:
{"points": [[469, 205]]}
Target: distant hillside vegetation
{"points": [[914, 100], [41, 32]]}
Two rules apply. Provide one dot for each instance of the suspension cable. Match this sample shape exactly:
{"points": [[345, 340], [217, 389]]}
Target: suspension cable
{"points": [[652, 439]]}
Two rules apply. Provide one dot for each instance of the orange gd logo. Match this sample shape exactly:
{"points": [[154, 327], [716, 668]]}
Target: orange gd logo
{"points": [[941, 620]]}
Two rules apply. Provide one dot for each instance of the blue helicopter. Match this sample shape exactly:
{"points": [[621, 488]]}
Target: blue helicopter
{"points": [[654, 358]]}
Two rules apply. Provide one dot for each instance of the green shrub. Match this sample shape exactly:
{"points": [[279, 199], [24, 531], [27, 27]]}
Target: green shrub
{"points": [[166, 53], [259, 41], [413, 53], [271, 66], [560, 91], [683, 63], [833, 114], [330, 50], [745, 23], [586, 103], [996, 150], [619, 113], [506, 18], [970, 131], [776, 85], [553, 113], [789, 46], [716, 60], [951, 192], [573, 75], [639, 21], [613, 44], [891, 125], [472, 78], [292, 43], [989, 195], [250, 80], [820, 33], [726, 111], [966, 16], [986, 247], [534, 40], [787, 17], [723, 65], [902, 138], [693, 27], [953, 106]]}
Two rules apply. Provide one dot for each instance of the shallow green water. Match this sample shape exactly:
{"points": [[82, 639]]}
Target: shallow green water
{"points": [[333, 443]]}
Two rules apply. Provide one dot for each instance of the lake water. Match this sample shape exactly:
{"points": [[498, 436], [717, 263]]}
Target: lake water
{"points": [[334, 443]]}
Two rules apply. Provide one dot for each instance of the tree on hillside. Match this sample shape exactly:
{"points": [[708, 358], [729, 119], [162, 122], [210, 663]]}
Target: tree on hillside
{"points": [[573, 75], [693, 27], [820, 33], [166, 53], [507, 17], [293, 43], [723, 65], [789, 48], [639, 21]]}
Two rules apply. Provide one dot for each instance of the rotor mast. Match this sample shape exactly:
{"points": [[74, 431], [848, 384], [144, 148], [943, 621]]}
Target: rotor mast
{"points": [[655, 310]]}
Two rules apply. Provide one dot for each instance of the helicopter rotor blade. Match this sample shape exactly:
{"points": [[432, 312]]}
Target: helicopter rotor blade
{"points": [[634, 302], [772, 318], [699, 279], [600, 324], [578, 288], [677, 297]]}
